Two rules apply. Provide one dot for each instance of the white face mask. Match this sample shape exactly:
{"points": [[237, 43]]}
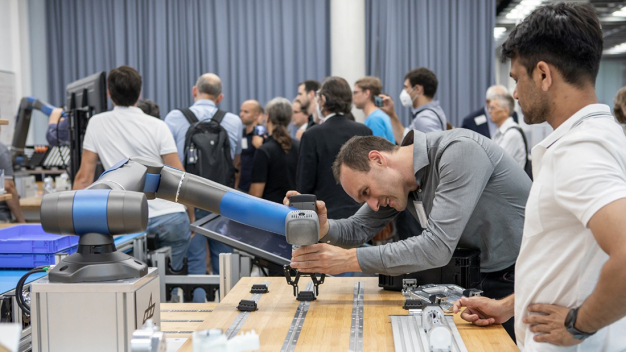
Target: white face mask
{"points": [[405, 99]]}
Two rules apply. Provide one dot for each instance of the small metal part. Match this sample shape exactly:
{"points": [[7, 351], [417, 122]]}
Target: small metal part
{"points": [[409, 284], [437, 299], [246, 305], [427, 330], [259, 289], [148, 339], [472, 292]]}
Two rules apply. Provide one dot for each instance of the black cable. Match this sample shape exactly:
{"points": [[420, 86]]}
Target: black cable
{"points": [[20, 288]]}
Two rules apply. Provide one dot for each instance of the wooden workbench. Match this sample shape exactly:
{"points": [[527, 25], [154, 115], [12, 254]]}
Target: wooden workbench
{"points": [[327, 324]]}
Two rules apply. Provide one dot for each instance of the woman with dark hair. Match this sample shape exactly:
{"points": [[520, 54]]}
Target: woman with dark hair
{"points": [[275, 162]]}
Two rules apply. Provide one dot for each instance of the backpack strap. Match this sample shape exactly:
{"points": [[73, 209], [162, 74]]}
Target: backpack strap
{"points": [[189, 115], [443, 127], [523, 137], [218, 116]]}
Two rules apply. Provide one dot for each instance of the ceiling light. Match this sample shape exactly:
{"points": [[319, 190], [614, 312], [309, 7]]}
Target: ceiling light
{"points": [[618, 49], [620, 13], [523, 9], [498, 32]]}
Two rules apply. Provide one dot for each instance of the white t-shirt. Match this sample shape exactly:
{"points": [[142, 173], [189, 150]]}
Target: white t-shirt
{"points": [[511, 140], [125, 132], [578, 169]]}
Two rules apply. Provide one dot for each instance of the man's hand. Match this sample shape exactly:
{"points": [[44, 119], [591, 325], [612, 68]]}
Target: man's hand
{"points": [[549, 324], [483, 311], [388, 105], [322, 213], [324, 258]]}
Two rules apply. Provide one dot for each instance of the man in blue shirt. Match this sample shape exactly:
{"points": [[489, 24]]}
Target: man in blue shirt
{"points": [[207, 93], [365, 89]]}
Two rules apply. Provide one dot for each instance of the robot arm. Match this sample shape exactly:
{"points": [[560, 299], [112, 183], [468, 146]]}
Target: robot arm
{"points": [[22, 122], [112, 205]]}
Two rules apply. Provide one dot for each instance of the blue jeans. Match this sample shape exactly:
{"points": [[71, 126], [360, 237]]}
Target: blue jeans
{"points": [[196, 256], [173, 231]]}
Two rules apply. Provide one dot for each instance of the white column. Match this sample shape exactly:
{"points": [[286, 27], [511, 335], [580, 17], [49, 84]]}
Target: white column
{"points": [[347, 42]]}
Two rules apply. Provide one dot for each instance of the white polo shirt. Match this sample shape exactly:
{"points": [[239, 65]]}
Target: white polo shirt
{"points": [[125, 132], [578, 169], [511, 140]]}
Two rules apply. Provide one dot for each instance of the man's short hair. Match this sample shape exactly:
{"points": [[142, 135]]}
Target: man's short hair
{"points": [[620, 103], [372, 84], [425, 78], [310, 85], [505, 101], [355, 153], [149, 108], [565, 35], [337, 95], [209, 84], [124, 84]]}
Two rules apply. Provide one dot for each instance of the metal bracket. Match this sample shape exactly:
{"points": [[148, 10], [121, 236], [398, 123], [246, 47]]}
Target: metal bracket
{"points": [[294, 282]]}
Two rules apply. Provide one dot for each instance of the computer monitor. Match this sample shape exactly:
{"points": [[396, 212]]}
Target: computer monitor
{"points": [[259, 243], [89, 92]]}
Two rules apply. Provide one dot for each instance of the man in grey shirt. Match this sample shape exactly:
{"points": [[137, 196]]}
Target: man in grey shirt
{"points": [[470, 193]]}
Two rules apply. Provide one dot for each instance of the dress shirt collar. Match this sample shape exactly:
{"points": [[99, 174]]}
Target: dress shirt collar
{"points": [[572, 121], [420, 152]]}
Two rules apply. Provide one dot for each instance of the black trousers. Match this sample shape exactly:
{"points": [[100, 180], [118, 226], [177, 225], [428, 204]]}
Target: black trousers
{"points": [[498, 285]]}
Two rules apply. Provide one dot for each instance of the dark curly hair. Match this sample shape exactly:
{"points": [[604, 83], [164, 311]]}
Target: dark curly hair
{"points": [[565, 35]]}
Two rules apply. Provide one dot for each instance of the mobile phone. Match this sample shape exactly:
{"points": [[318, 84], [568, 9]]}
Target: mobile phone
{"points": [[378, 101]]}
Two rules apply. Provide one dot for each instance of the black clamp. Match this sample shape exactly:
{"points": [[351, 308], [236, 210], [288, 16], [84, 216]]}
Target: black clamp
{"points": [[246, 305], [472, 292], [413, 304], [306, 296], [437, 299], [316, 281], [261, 288]]}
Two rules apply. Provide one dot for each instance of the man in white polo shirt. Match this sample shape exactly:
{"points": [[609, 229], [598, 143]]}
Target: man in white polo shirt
{"points": [[570, 283], [125, 132]]}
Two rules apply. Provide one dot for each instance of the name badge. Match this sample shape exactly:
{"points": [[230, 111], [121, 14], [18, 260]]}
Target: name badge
{"points": [[244, 143], [421, 213], [480, 120]]}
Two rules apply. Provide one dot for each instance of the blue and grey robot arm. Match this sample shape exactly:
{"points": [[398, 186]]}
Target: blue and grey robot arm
{"points": [[22, 121], [117, 203]]}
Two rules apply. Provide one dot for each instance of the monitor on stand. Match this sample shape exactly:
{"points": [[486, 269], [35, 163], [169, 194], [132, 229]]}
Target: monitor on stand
{"points": [[85, 98]]}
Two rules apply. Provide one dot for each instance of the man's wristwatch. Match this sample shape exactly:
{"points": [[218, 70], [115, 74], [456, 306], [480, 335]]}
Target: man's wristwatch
{"points": [[570, 321]]}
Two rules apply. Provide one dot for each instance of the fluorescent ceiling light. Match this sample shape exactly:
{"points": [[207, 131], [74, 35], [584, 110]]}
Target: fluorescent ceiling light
{"points": [[618, 49], [523, 9], [620, 13], [498, 32]]}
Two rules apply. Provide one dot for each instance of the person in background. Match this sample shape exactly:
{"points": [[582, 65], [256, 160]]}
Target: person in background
{"points": [[299, 119], [275, 162], [149, 108], [366, 90], [509, 135], [619, 106], [58, 128], [321, 143], [479, 121], [9, 206], [249, 113], [306, 97]]}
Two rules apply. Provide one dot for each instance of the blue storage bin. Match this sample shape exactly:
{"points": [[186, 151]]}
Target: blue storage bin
{"points": [[25, 261], [31, 239]]}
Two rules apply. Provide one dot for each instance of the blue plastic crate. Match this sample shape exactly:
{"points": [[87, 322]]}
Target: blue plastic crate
{"points": [[25, 261], [29, 239]]}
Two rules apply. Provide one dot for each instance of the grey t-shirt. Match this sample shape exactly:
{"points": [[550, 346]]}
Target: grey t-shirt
{"points": [[6, 164], [474, 195]]}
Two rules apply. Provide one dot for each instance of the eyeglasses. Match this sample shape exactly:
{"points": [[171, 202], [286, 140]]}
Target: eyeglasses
{"points": [[491, 108]]}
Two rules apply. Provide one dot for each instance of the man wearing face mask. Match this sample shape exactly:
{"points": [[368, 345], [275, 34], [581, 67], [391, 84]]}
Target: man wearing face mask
{"points": [[321, 143], [420, 86]]}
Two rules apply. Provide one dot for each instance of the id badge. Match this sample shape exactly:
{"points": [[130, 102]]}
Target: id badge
{"points": [[244, 143], [421, 213]]}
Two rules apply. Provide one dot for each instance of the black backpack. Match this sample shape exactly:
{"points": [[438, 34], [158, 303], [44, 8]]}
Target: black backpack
{"points": [[528, 167], [207, 149]]}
